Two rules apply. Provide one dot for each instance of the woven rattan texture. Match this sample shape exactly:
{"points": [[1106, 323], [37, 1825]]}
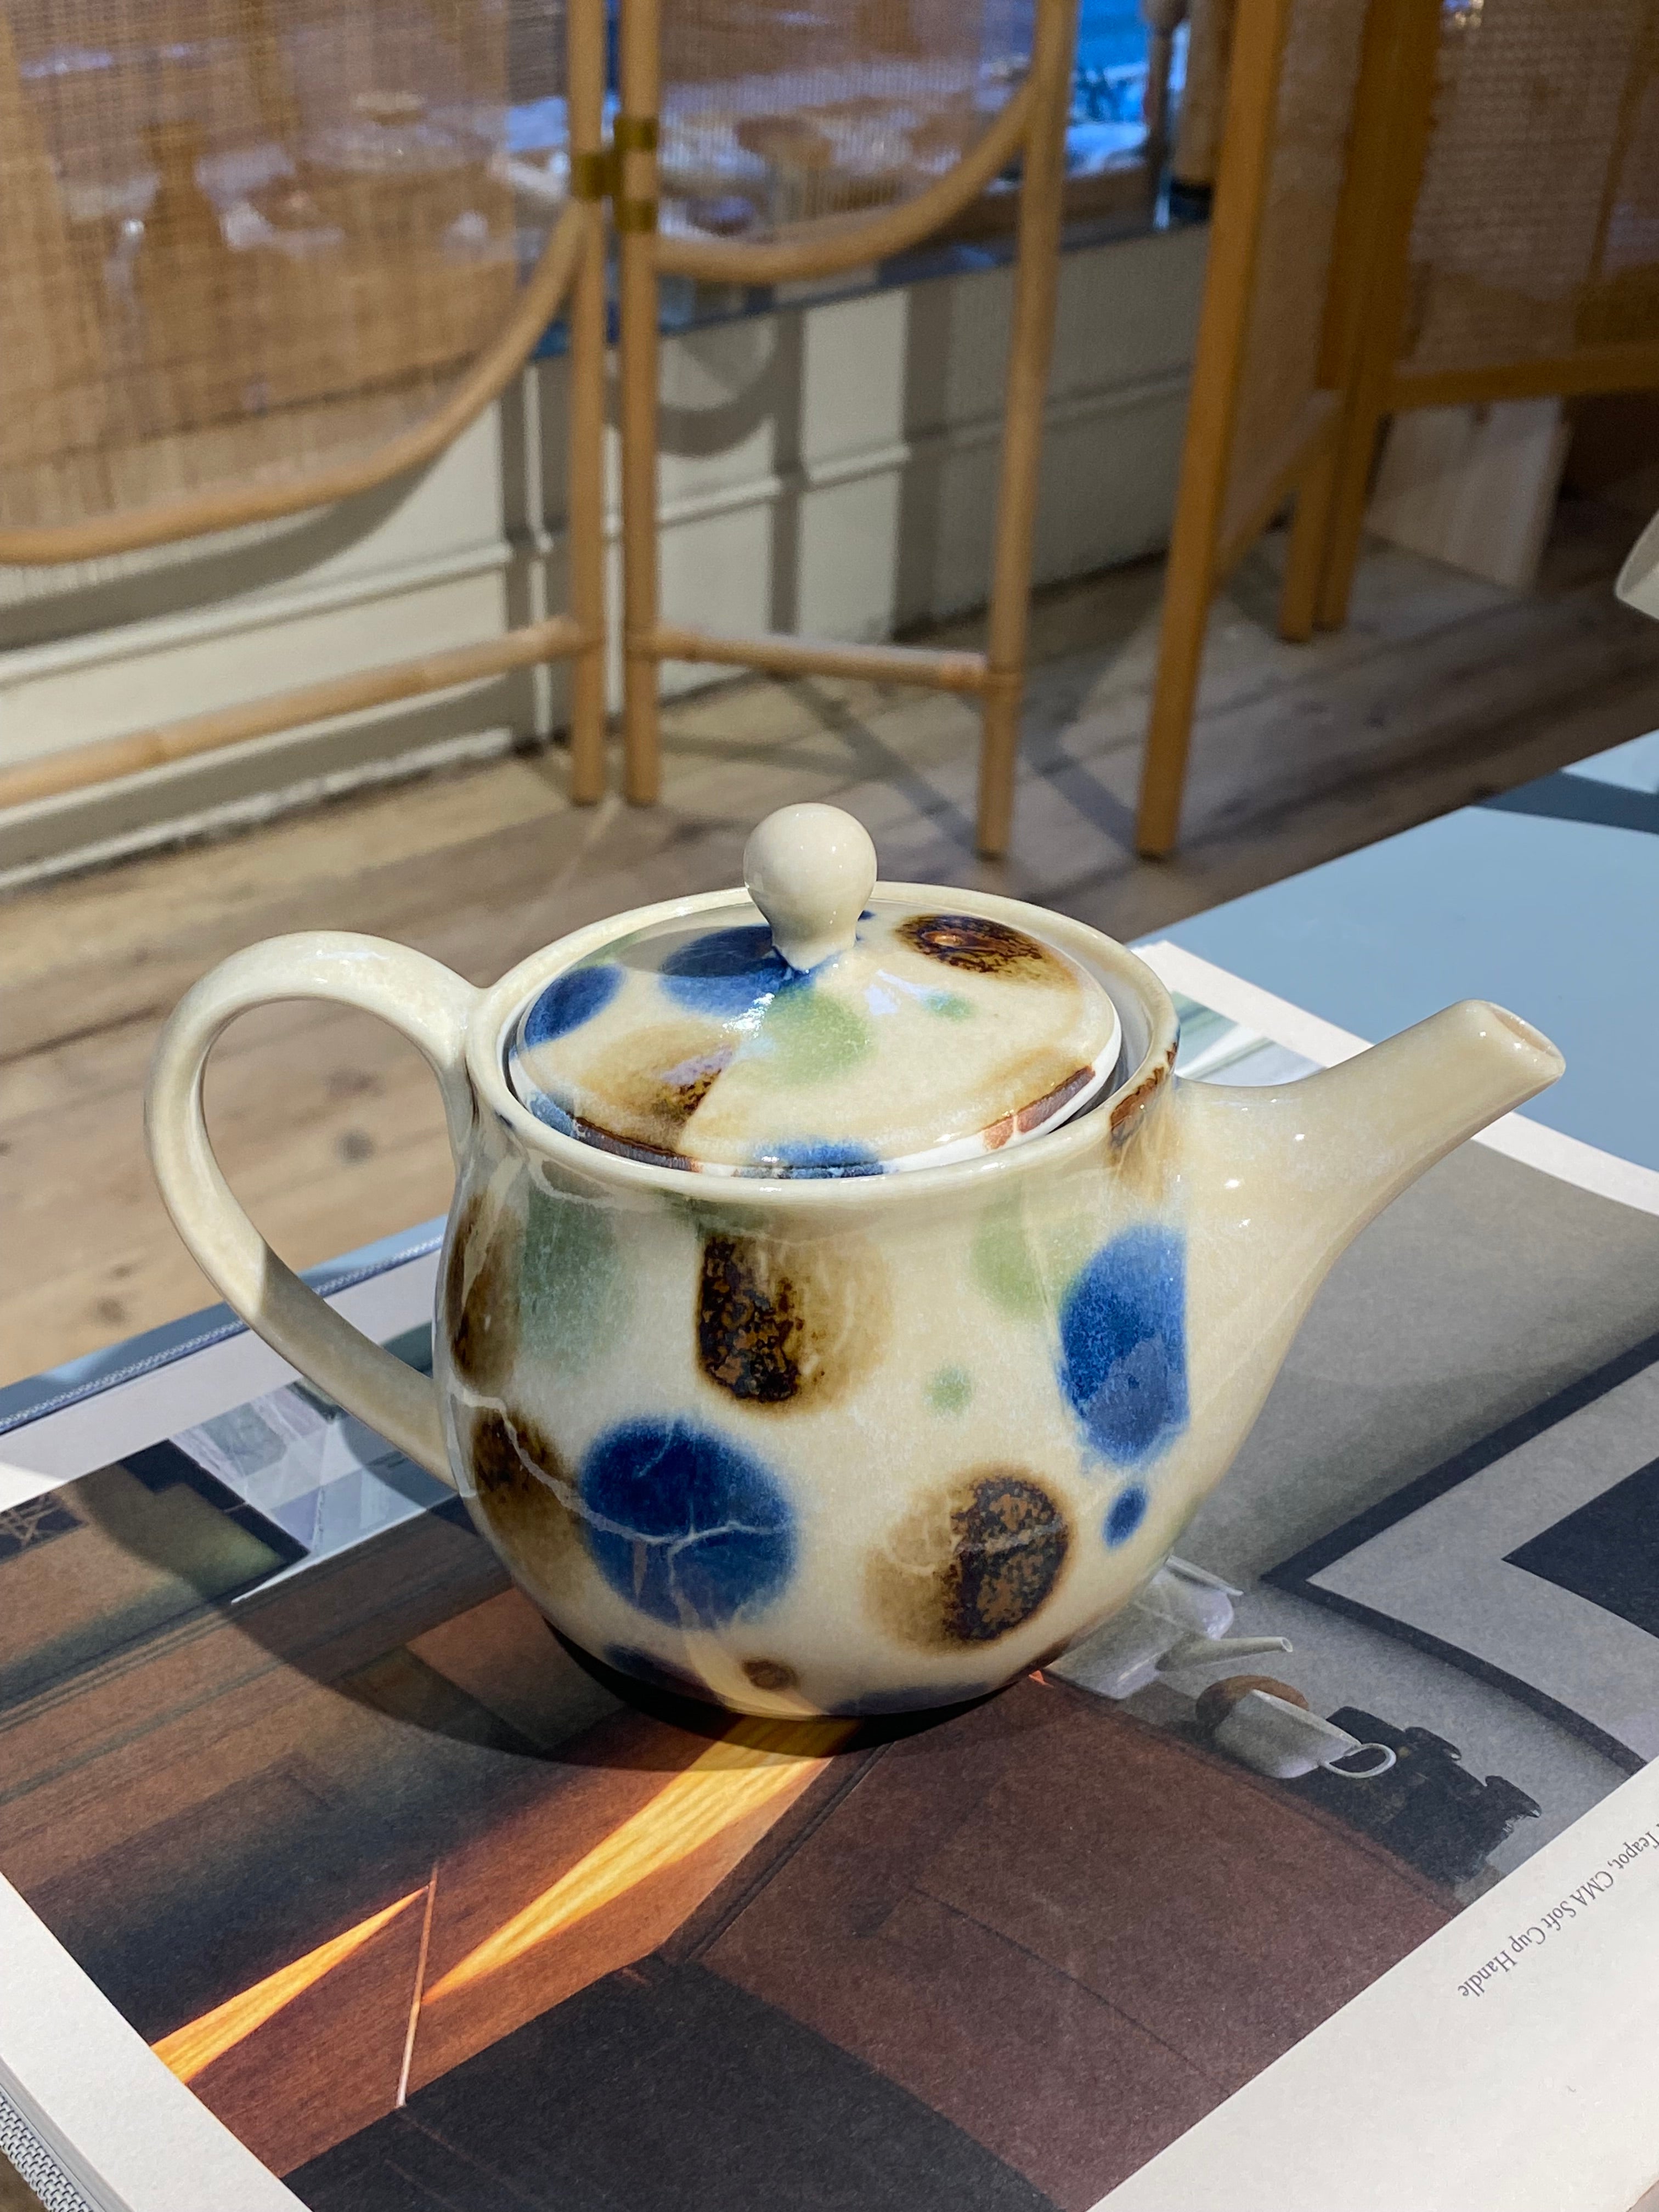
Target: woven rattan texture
{"points": [[1279, 370], [246, 238], [775, 119], [1537, 226]]}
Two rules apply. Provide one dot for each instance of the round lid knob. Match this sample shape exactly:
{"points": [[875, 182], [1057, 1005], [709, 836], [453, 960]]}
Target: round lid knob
{"points": [[810, 870]]}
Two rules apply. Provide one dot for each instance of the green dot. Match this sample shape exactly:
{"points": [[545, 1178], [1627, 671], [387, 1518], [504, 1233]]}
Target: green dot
{"points": [[1004, 1265], [950, 1005], [808, 1037], [573, 1290], [949, 1390]]}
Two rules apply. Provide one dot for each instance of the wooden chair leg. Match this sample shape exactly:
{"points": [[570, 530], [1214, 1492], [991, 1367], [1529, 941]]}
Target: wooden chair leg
{"points": [[585, 415], [1350, 482], [637, 373], [1304, 559], [1037, 280], [1205, 457], [1169, 727], [1392, 124]]}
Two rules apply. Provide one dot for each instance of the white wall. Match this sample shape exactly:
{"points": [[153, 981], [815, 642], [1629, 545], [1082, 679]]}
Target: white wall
{"points": [[828, 467]]}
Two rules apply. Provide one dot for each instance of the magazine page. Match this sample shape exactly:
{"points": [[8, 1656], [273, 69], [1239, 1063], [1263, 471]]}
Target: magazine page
{"points": [[1318, 1877]]}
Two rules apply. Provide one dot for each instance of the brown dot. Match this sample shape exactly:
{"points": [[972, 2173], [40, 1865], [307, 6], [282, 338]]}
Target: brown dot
{"points": [[481, 1293], [970, 1561], [1043, 1109], [356, 1146], [782, 1324], [525, 1494], [984, 947], [644, 1088], [770, 1673]]}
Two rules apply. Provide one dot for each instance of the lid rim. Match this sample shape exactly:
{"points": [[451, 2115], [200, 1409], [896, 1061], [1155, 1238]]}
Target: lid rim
{"points": [[1145, 1007], [942, 1028]]}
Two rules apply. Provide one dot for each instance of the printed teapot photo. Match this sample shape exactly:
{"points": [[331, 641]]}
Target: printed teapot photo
{"points": [[844, 1305]]}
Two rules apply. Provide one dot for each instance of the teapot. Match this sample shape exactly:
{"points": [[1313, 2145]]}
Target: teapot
{"points": [[844, 1305]]}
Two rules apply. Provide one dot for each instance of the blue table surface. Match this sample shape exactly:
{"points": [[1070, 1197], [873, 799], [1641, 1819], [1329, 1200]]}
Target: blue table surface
{"points": [[1545, 898]]}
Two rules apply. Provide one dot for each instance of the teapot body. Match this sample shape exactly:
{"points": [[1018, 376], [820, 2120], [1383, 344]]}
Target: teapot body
{"points": [[846, 1447], [866, 1442]]}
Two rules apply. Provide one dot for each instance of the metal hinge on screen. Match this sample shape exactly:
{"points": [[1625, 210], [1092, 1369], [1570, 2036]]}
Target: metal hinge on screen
{"points": [[597, 176]]}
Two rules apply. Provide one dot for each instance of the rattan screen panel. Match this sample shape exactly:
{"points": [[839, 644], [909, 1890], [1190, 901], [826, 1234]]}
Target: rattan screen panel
{"points": [[1279, 369], [248, 240], [781, 123], [1536, 232]]}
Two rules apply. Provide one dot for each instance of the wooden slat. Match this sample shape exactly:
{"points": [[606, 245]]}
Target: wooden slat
{"points": [[82, 766], [780, 655], [1631, 367], [1256, 496]]}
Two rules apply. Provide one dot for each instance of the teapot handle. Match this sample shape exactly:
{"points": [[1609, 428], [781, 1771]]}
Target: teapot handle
{"points": [[427, 1004]]}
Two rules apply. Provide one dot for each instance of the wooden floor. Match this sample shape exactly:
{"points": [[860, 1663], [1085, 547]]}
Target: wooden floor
{"points": [[1441, 689]]}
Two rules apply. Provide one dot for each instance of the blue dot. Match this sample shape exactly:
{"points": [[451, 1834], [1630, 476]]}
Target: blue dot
{"points": [[725, 972], [1128, 1511], [548, 1110], [568, 1001], [684, 1525], [1123, 1344], [817, 1156]]}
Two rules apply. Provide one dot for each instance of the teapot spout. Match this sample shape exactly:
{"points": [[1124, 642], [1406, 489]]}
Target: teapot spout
{"points": [[1294, 1174]]}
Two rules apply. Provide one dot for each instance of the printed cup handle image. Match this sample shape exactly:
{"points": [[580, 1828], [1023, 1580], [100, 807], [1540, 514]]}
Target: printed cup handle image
{"points": [[1284, 1742], [424, 1002]]}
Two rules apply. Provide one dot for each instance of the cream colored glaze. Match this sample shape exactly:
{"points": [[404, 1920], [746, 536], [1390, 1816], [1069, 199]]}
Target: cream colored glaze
{"points": [[905, 1277]]}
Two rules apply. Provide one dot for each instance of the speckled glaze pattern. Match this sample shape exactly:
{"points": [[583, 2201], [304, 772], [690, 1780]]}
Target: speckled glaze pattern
{"points": [[850, 1445]]}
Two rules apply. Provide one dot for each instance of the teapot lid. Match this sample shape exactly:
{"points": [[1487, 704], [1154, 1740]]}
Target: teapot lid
{"points": [[850, 1031]]}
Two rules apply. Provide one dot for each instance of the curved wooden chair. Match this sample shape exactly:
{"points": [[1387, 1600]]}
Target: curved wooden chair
{"points": [[259, 255], [757, 146]]}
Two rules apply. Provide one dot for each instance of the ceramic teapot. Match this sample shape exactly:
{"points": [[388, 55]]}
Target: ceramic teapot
{"points": [[844, 1305]]}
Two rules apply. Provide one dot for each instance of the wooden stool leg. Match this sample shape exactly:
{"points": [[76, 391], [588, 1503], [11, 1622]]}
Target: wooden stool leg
{"points": [[1030, 345], [1393, 120], [1305, 559], [584, 510], [1169, 727], [1207, 450], [1350, 480], [637, 371]]}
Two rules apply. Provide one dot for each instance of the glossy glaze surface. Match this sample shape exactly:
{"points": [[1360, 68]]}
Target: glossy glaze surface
{"points": [[850, 1444]]}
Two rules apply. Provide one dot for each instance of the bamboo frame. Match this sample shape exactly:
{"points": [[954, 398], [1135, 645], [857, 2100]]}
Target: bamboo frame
{"points": [[571, 264], [1034, 122]]}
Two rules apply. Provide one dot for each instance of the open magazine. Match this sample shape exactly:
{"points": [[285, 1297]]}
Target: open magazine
{"points": [[1327, 1875]]}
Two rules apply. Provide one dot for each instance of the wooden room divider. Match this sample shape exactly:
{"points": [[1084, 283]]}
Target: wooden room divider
{"points": [[1517, 255], [1494, 170], [755, 149], [259, 255]]}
